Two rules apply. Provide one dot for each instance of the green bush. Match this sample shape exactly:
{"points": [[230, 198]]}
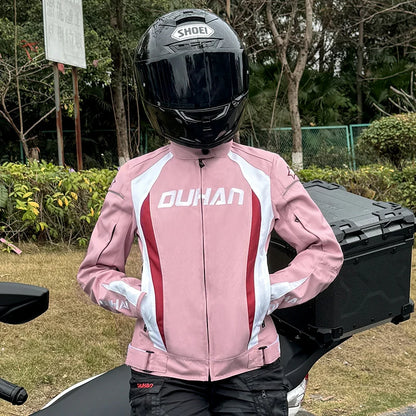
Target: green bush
{"points": [[391, 138], [378, 182], [44, 202]]}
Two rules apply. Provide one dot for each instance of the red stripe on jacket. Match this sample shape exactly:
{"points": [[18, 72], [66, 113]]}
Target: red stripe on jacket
{"points": [[251, 259], [154, 260]]}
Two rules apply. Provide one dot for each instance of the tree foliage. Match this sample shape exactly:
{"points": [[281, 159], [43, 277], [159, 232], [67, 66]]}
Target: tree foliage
{"points": [[391, 138], [45, 202], [361, 54], [105, 43]]}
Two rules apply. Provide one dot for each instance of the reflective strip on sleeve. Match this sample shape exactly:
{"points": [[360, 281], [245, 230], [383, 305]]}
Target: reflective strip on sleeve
{"points": [[121, 288], [282, 288]]}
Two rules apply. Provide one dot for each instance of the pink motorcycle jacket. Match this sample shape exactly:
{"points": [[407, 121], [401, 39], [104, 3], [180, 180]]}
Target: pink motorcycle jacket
{"points": [[203, 223]]}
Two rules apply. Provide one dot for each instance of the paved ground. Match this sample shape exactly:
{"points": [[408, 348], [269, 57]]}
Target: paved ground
{"points": [[406, 411], [304, 413]]}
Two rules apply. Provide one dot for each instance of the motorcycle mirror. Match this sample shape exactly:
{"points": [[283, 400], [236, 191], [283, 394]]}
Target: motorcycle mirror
{"points": [[20, 303]]}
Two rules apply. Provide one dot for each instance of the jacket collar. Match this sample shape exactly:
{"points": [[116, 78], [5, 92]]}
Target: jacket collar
{"points": [[183, 152]]}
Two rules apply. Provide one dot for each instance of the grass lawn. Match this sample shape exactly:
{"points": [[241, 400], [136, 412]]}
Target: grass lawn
{"points": [[372, 372]]}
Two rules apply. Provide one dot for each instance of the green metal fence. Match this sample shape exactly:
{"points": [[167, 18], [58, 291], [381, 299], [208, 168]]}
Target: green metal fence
{"points": [[323, 146]]}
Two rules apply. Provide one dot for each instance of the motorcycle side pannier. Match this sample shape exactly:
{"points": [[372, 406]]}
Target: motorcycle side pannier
{"points": [[373, 286]]}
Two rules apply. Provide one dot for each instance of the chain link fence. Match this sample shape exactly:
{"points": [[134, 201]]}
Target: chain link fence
{"points": [[323, 146], [99, 147]]}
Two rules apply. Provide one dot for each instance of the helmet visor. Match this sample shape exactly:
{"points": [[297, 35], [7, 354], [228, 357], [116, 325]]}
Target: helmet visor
{"points": [[194, 81]]}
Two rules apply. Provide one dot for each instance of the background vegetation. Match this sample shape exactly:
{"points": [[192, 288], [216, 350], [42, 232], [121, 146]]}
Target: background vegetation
{"points": [[360, 64], [46, 203], [391, 138]]}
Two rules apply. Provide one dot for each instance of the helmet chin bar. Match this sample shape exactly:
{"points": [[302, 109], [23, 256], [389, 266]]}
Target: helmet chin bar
{"points": [[187, 115], [200, 129], [196, 143]]}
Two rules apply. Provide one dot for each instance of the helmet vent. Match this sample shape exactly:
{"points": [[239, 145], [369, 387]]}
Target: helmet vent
{"points": [[183, 46], [192, 18]]}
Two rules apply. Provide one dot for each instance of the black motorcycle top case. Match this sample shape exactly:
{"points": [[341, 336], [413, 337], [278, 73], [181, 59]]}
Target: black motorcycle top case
{"points": [[373, 286]]}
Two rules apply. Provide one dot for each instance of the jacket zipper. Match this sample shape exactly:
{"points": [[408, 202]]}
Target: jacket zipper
{"points": [[202, 165]]}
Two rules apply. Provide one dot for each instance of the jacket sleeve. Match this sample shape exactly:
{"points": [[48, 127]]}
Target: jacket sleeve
{"points": [[102, 272], [300, 223]]}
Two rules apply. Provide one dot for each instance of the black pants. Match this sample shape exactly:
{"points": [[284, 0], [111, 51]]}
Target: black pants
{"points": [[258, 392]]}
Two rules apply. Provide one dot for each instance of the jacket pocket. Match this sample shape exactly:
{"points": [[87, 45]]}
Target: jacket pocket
{"points": [[144, 395], [271, 402], [269, 389]]}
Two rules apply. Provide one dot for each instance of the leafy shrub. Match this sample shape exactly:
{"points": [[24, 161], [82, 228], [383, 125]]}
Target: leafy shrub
{"points": [[41, 201], [44, 202], [391, 138], [378, 182]]}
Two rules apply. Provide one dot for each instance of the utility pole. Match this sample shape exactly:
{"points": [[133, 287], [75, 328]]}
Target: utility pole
{"points": [[77, 118], [59, 132]]}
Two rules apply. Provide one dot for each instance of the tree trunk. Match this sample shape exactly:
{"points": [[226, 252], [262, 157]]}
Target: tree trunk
{"points": [[228, 10], [19, 101], [297, 149], [120, 118], [116, 16], [25, 147], [294, 75], [360, 65]]}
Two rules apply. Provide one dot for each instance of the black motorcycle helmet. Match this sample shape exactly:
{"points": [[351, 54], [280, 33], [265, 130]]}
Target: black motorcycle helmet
{"points": [[193, 78]]}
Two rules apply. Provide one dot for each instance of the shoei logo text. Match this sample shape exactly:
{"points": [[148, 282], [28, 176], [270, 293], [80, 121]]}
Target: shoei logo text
{"points": [[220, 196], [195, 30]]}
